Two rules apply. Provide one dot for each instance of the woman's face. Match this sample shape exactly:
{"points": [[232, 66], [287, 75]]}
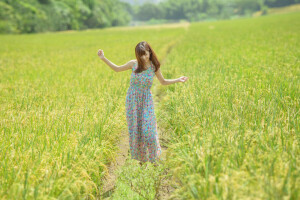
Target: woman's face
{"points": [[146, 56]]}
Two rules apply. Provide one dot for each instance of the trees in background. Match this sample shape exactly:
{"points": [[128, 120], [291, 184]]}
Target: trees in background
{"points": [[30, 16], [195, 10]]}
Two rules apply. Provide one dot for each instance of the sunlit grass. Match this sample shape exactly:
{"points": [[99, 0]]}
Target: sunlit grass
{"points": [[62, 109], [286, 9], [236, 121], [138, 182], [233, 126]]}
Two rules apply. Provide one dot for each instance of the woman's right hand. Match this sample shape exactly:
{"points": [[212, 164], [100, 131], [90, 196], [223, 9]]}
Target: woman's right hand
{"points": [[101, 53]]}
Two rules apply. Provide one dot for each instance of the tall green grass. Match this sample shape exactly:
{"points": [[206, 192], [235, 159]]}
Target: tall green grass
{"points": [[234, 125], [62, 109]]}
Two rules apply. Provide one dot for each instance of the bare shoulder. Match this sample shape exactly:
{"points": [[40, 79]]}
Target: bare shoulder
{"points": [[159, 76], [158, 71], [132, 63]]}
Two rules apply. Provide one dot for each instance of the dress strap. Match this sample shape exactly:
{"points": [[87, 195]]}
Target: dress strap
{"points": [[152, 66], [134, 66]]}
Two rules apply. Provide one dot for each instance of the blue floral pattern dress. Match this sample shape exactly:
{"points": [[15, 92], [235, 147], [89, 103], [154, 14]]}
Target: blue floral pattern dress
{"points": [[141, 120]]}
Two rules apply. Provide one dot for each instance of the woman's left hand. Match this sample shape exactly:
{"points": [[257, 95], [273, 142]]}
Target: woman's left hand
{"points": [[183, 79]]}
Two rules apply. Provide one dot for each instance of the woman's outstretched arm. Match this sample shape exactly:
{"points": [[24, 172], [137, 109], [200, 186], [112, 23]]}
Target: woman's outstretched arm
{"points": [[113, 66], [164, 81]]}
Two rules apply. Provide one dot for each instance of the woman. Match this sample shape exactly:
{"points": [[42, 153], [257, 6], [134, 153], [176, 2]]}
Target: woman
{"points": [[141, 120]]}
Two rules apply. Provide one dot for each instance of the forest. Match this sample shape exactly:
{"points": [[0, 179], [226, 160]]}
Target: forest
{"points": [[32, 16]]}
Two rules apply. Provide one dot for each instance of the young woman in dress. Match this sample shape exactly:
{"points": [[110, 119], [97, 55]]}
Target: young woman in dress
{"points": [[140, 115]]}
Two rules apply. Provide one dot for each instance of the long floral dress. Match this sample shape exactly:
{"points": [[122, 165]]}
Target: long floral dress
{"points": [[141, 120]]}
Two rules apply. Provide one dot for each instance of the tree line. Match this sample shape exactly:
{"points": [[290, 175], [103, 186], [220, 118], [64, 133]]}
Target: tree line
{"points": [[31, 16], [197, 10]]}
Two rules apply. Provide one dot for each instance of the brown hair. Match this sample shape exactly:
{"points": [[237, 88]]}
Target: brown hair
{"points": [[140, 50]]}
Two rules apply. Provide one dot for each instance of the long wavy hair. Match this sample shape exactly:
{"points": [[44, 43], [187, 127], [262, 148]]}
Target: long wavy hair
{"points": [[140, 50]]}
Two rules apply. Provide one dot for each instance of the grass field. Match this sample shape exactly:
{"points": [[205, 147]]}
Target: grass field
{"points": [[62, 109], [280, 10], [232, 130], [235, 125]]}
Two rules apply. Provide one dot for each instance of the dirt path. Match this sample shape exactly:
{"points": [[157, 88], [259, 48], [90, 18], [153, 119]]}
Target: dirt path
{"points": [[110, 179], [165, 188]]}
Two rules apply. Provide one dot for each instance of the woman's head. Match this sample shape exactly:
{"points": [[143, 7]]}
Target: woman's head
{"points": [[144, 53]]}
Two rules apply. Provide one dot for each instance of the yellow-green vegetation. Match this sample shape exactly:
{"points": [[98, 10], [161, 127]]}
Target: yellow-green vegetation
{"points": [[286, 9], [62, 109], [137, 182], [233, 126], [235, 123], [280, 10]]}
